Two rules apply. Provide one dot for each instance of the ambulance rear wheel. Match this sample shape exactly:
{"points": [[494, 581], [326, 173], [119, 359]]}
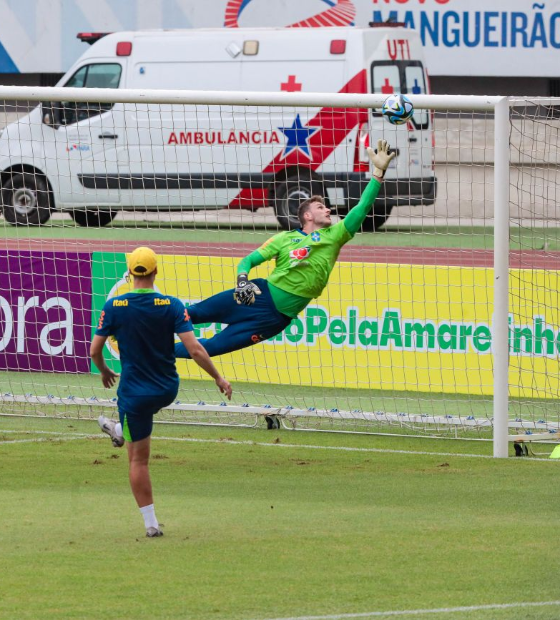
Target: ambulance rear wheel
{"points": [[26, 199], [93, 218], [288, 195]]}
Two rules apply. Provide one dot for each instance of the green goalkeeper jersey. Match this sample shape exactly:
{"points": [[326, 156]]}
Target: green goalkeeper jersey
{"points": [[304, 261]]}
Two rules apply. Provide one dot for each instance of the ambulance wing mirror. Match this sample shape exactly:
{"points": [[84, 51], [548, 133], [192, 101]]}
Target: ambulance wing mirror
{"points": [[50, 113], [57, 113], [63, 113]]}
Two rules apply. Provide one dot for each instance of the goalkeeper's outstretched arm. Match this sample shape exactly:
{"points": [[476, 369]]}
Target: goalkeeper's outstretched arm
{"points": [[249, 262], [380, 160]]}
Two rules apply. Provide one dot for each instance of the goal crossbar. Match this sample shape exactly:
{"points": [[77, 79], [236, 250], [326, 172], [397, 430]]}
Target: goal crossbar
{"points": [[468, 103]]}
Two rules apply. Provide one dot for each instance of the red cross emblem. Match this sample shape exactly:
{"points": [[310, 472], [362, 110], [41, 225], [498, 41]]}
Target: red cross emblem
{"points": [[291, 85], [387, 89]]}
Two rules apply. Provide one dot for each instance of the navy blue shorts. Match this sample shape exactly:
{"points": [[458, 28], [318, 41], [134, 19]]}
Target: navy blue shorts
{"points": [[136, 413], [246, 325]]}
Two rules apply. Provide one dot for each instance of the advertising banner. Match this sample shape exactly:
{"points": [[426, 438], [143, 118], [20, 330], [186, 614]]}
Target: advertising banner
{"points": [[461, 37], [481, 37], [377, 326], [45, 311]]}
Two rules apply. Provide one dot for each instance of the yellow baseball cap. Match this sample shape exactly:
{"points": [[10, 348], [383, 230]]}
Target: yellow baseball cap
{"points": [[142, 262]]}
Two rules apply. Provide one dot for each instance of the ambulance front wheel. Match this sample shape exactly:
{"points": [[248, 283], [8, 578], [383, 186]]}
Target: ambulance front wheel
{"points": [[288, 195], [92, 218], [26, 199]]}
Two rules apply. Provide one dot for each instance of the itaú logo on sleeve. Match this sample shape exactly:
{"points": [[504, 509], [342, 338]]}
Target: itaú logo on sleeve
{"points": [[223, 137]]}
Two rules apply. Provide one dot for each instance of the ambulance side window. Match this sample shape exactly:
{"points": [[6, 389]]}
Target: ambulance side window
{"points": [[99, 75], [385, 79], [78, 80]]}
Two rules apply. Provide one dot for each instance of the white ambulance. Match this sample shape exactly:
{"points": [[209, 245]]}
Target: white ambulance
{"points": [[94, 160]]}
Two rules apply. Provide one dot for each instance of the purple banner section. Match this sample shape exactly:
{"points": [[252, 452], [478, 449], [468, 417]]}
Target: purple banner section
{"points": [[45, 311]]}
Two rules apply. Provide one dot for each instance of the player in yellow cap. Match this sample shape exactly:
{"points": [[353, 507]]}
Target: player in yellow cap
{"points": [[144, 323]]}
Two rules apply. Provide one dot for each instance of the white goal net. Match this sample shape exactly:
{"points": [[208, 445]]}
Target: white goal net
{"points": [[405, 337]]}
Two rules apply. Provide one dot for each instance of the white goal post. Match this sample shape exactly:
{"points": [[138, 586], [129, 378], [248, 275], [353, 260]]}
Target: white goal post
{"points": [[25, 391]]}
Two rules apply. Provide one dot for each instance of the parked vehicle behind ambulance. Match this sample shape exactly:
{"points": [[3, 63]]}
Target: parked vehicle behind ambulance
{"points": [[94, 160]]}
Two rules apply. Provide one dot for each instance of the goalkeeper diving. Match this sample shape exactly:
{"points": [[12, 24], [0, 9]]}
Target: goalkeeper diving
{"points": [[259, 309]]}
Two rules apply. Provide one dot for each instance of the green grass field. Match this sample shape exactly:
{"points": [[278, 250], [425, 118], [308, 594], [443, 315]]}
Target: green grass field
{"points": [[260, 525]]}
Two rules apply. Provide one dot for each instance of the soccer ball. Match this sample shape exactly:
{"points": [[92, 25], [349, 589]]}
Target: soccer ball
{"points": [[397, 109]]}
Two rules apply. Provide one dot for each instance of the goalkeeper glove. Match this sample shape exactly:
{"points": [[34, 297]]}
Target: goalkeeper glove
{"points": [[245, 290], [381, 158]]}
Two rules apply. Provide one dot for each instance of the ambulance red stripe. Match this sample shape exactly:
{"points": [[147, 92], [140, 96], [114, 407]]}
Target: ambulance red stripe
{"points": [[335, 125]]}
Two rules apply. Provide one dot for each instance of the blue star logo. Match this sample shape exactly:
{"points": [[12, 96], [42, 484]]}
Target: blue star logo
{"points": [[316, 236], [298, 137]]}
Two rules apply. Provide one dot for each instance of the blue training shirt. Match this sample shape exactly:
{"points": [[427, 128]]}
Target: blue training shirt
{"points": [[144, 323]]}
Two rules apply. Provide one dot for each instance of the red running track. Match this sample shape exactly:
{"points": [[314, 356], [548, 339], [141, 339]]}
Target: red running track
{"points": [[519, 259]]}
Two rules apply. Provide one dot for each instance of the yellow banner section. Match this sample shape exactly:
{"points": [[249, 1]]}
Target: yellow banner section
{"points": [[391, 327]]}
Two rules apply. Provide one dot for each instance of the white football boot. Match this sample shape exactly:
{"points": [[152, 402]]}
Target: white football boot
{"points": [[108, 426]]}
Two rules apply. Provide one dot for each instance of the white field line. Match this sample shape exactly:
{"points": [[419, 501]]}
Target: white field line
{"points": [[419, 612], [336, 448], [16, 432], [53, 437], [287, 445], [39, 440]]}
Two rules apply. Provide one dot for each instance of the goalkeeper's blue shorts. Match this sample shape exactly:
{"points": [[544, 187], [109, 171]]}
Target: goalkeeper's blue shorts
{"points": [[136, 413], [246, 325]]}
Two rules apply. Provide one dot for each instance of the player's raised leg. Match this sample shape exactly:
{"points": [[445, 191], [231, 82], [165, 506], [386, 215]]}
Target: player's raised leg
{"points": [[246, 325], [235, 337], [219, 308]]}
